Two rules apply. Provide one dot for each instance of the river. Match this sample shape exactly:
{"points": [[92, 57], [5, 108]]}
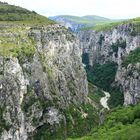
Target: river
{"points": [[104, 100]]}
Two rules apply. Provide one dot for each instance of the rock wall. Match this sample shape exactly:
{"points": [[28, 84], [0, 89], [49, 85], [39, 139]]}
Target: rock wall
{"points": [[115, 45], [41, 74]]}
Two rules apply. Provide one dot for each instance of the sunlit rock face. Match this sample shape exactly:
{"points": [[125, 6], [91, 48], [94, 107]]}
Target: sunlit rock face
{"points": [[115, 45], [40, 77]]}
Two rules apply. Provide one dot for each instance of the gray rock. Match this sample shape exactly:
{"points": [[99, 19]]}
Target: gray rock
{"points": [[34, 88], [98, 46]]}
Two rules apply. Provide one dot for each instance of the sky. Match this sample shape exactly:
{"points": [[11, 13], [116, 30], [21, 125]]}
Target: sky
{"points": [[115, 9]]}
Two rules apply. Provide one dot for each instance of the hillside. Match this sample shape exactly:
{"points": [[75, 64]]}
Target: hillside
{"points": [[111, 25], [12, 13], [91, 19], [76, 22], [120, 124]]}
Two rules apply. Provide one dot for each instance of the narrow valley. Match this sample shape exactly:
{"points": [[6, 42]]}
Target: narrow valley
{"points": [[68, 77]]}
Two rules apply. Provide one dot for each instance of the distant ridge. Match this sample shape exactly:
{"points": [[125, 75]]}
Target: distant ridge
{"points": [[76, 22]]}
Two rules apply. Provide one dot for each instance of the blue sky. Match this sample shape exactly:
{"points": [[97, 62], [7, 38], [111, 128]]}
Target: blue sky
{"points": [[117, 9]]}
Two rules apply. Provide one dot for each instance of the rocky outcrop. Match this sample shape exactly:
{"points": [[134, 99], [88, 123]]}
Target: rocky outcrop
{"points": [[129, 78], [115, 45], [41, 75]]}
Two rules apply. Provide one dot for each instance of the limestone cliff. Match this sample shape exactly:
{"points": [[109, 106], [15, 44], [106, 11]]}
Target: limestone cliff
{"points": [[41, 76], [116, 45]]}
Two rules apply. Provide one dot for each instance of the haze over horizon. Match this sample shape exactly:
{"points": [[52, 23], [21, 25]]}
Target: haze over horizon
{"points": [[114, 9]]}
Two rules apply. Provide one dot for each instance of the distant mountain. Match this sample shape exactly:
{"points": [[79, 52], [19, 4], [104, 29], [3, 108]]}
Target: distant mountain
{"points": [[96, 19], [75, 22]]}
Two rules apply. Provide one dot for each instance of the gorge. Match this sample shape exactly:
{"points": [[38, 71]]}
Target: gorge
{"points": [[53, 81]]}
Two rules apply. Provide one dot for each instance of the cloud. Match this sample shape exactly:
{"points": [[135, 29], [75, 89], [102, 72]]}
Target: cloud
{"points": [[106, 8]]}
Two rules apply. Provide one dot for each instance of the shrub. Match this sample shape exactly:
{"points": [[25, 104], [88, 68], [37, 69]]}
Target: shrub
{"points": [[101, 39], [118, 44], [85, 58], [116, 98], [132, 58], [102, 75]]}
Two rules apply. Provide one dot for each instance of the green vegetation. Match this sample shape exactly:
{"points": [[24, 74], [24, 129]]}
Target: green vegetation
{"points": [[91, 20], [95, 94], [102, 75], [108, 26], [80, 120], [50, 132], [116, 98], [24, 53], [87, 19], [15, 42], [132, 58], [136, 27], [118, 44], [11, 13], [101, 39], [85, 58], [123, 123], [115, 46], [104, 27]]}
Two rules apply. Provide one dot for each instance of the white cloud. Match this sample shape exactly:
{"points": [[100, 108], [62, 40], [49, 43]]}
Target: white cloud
{"points": [[106, 8]]}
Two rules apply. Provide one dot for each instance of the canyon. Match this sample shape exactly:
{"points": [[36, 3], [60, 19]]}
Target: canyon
{"points": [[53, 81]]}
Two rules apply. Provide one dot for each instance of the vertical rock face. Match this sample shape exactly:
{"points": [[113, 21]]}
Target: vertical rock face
{"points": [[129, 78], [13, 88], [38, 81], [114, 46]]}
